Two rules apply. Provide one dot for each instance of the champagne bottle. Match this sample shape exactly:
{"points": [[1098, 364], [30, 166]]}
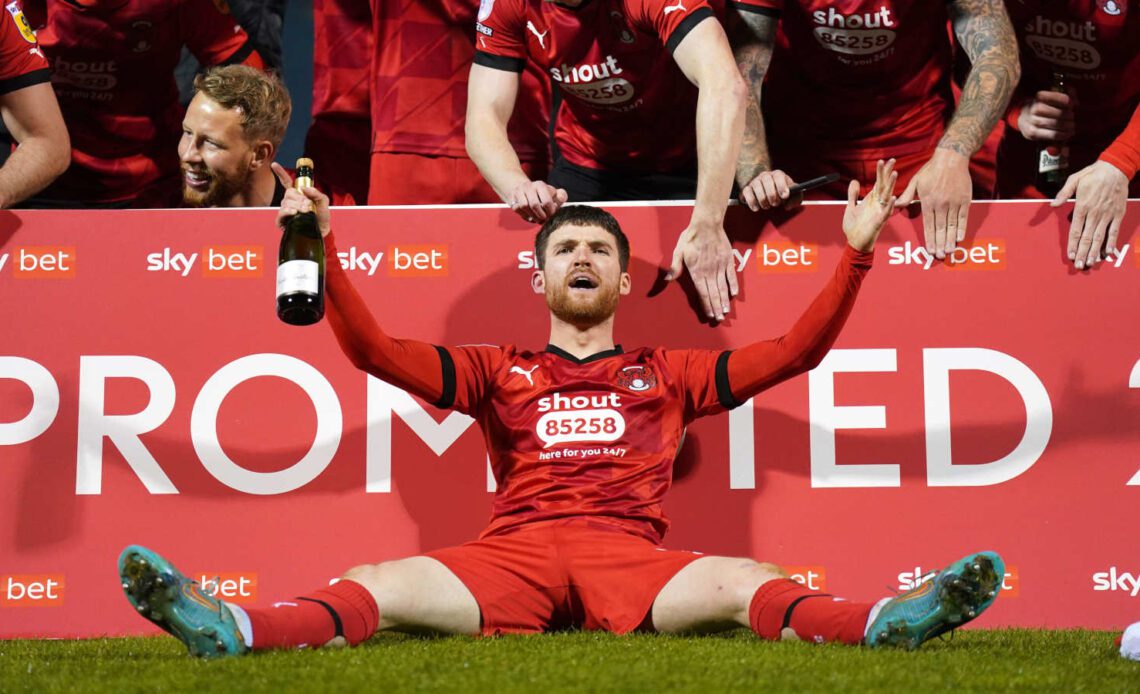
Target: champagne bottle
{"points": [[1053, 157], [301, 262]]}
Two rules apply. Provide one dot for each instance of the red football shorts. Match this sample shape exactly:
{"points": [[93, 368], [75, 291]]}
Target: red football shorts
{"points": [[415, 179], [560, 575]]}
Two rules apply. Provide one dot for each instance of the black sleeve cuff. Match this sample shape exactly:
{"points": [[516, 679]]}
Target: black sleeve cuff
{"points": [[499, 62], [25, 80], [723, 390], [239, 55], [698, 15], [745, 7], [447, 395]]}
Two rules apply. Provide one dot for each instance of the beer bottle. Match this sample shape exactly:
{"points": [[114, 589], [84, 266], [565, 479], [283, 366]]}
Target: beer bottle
{"points": [[301, 262], [1053, 157]]}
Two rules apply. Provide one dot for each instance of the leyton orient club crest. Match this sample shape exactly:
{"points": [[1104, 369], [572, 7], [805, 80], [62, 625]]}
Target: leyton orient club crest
{"points": [[636, 378], [1110, 7]]}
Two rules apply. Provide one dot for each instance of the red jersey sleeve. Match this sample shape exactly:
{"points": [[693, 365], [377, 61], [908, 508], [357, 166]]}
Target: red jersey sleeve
{"points": [[1124, 152], [500, 35], [761, 365], [22, 64], [712, 381], [417, 367], [468, 372], [671, 20], [701, 378], [212, 34]]}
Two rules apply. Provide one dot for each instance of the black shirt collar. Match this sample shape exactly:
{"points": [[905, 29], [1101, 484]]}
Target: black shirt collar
{"points": [[278, 193], [559, 352]]}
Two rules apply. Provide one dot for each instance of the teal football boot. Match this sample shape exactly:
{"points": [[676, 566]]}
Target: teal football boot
{"points": [[159, 592], [955, 595]]}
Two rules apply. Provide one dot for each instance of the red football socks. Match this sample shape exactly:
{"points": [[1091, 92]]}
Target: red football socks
{"points": [[345, 608], [784, 604]]}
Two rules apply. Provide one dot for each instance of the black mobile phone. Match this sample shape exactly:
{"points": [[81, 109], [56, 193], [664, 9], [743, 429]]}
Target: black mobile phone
{"points": [[813, 183]]}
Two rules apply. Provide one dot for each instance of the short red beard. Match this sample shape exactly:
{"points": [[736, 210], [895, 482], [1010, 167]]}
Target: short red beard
{"points": [[219, 191], [582, 314]]}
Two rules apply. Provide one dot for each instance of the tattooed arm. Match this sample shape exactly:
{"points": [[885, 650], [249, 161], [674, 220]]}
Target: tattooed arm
{"points": [[752, 34], [943, 183], [984, 30]]}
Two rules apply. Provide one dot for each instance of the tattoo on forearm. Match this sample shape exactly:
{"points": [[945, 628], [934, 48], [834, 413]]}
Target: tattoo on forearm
{"points": [[752, 37], [984, 30]]}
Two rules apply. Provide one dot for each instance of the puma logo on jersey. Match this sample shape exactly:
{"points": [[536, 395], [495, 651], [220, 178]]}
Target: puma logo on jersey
{"points": [[541, 37], [525, 374], [674, 8]]}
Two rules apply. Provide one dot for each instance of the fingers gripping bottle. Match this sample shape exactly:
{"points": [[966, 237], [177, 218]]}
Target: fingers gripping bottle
{"points": [[301, 262]]}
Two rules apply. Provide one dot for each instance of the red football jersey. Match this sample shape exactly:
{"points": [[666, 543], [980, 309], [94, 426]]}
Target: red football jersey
{"points": [[342, 53], [341, 130], [419, 89], [859, 79], [113, 73], [626, 105], [593, 438], [1095, 44], [22, 62]]}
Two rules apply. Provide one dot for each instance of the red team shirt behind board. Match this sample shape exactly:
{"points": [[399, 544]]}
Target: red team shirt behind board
{"points": [[419, 88], [1095, 44], [860, 79], [113, 73], [626, 104]]}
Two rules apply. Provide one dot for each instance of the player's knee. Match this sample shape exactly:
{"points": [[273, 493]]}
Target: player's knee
{"points": [[771, 570], [370, 576], [360, 574], [744, 576]]}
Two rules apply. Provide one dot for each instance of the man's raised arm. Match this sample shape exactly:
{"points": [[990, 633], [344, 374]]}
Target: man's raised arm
{"points": [[705, 58], [761, 365], [491, 94], [417, 367]]}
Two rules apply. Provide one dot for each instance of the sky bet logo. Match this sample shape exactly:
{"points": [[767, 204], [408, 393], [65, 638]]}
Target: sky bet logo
{"points": [[41, 262], [23, 590], [1117, 581], [1010, 584], [215, 261], [988, 255]]}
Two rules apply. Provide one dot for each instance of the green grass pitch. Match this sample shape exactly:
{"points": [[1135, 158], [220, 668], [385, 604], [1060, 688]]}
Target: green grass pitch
{"points": [[999, 660]]}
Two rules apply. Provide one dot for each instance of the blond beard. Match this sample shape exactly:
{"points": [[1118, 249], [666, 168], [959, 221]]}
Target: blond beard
{"points": [[582, 314], [221, 190]]}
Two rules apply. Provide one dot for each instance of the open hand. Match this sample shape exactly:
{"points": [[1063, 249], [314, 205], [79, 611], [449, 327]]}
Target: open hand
{"points": [[944, 189], [862, 221], [705, 250], [1101, 191]]}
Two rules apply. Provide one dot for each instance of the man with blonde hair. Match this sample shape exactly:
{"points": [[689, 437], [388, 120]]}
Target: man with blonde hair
{"points": [[232, 131]]}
